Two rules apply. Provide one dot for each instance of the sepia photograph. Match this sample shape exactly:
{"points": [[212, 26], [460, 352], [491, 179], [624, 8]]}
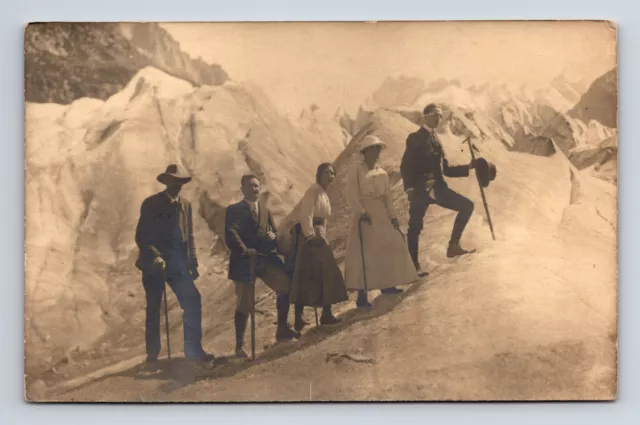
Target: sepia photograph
{"points": [[241, 212]]}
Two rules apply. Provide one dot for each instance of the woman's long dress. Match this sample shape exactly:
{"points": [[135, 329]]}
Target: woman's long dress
{"points": [[386, 256], [317, 280]]}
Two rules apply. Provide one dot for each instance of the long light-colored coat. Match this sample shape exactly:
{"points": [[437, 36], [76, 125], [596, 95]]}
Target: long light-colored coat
{"points": [[386, 256]]}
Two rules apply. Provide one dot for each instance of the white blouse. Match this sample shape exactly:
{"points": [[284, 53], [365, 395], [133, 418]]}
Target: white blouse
{"points": [[315, 203], [363, 183]]}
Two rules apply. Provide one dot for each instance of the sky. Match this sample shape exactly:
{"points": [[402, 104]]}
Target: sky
{"points": [[340, 64]]}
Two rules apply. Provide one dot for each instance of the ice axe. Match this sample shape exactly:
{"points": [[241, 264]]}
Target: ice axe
{"points": [[480, 185], [253, 306]]}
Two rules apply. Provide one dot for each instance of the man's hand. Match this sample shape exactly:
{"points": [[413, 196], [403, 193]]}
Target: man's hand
{"points": [[158, 261], [395, 223], [251, 252], [365, 218], [194, 273], [271, 235], [410, 195]]}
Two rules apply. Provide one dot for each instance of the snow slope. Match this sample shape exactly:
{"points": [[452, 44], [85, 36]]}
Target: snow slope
{"points": [[531, 315]]}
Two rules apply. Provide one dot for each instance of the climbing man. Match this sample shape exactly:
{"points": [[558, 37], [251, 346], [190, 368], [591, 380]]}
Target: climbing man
{"points": [[423, 168]]}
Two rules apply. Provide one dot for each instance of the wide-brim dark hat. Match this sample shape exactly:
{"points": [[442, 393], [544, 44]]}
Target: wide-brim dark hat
{"points": [[174, 174], [486, 171]]}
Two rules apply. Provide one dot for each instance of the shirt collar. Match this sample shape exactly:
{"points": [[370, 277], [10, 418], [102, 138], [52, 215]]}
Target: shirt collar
{"points": [[251, 203], [429, 129], [172, 199]]}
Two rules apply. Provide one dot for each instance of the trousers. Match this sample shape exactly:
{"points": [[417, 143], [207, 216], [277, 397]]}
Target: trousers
{"points": [[444, 197], [183, 286]]}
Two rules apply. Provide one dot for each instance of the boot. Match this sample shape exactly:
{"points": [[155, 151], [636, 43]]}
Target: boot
{"points": [[455, 250], [391, 291], [151, 363], [362, 301], [300, 323], [327, 317], [241, 326], [202, 357], [419, 270], [285, 333]]}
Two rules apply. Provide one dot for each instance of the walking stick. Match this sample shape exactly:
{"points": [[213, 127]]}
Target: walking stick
{"points": [[315, 309], [253, 307], [166, 312], [364, 272], [484, 199]]}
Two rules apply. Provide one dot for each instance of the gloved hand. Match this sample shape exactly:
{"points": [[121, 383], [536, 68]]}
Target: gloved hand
{"points": [[194, 273]]}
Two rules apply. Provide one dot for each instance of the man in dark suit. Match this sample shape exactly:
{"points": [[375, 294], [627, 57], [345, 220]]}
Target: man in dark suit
{"points": [[423, 168], [251, 232], [164, 236]]}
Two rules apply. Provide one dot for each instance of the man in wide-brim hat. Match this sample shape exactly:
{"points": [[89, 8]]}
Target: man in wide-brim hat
{"points": [[164, 236]]}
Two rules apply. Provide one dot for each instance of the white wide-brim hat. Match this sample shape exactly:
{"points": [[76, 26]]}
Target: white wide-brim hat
{"points": [[370, 141]]}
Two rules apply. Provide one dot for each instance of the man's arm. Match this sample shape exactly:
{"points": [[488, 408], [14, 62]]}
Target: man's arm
{"points": [[272, 243], [407, 164], [272, 223], [454, 170], [232, 232], [192, 241], [144, 229]]}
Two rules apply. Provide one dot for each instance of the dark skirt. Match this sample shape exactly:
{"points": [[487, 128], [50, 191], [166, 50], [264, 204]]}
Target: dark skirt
{"points": [[317, 280]]}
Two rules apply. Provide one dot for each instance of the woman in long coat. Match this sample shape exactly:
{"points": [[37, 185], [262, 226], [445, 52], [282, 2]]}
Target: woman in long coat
{"points": [[383, 260], [317, 280]]}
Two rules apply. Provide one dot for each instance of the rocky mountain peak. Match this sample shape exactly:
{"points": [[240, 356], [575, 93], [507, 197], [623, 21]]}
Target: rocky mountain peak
{"points": [[68, 61]]}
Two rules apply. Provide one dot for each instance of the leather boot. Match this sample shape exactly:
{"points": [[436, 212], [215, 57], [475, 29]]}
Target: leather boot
{"points": [[285, 333], [455, 250], [241, 326], [299, 323]]}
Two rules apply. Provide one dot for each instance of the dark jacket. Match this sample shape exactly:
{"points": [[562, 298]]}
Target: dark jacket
{"points": [[424, 159], [155, 229], [244, 230]]}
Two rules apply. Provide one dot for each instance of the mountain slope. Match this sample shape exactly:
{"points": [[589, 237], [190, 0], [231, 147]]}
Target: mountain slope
{"points": [[600, 102], [531, 315], [155, 43], [69, 61]]}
